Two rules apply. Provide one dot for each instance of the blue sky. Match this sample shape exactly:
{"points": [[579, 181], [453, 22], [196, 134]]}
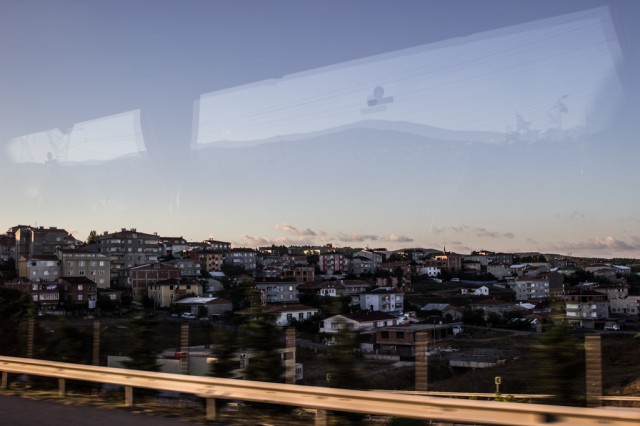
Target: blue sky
{"points": [[511, 126]]}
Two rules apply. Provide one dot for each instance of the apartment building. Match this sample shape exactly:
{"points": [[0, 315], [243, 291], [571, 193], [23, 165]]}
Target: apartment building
{"points": [[129, 248], [278, 292], [81, 263]]}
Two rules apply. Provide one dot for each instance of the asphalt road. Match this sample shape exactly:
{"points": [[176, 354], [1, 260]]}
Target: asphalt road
{"points": [[17, 411]]}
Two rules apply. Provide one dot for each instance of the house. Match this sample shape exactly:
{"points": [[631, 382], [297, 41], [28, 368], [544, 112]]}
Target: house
{"points": [[446, 260], [620, 303], [383, 299], [453, 312], [218, 245], [244, 257], [401, 340], [283, 314], [128, 248], [375, 256], [585, 307], [45, 295], [499, 270], [354, 287], [531, 287], [165, 292], [359, 265], [363, 321], [331, 289], [493, 305], [333, 262], [78, 293], [173, 246], [278, 292], [479, 291], [210, 260], [39, 268], [7, 247], [301, 273], [189, 267], [430, 271], [140, 277], [38, 241], [205, 306], [84, 263]]}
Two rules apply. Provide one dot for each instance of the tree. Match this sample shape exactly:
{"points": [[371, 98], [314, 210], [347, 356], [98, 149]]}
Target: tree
{"points": [[224, 350], [560, 359], [93, 237], [69, 344], [343, 372], [265, 362], [14, 310], [142, 353]]}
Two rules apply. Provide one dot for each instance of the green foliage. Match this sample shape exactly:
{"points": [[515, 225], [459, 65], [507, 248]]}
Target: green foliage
{"points": [[475, 317], [232, 270], [105, 304], [69, 344], [224, 350], [343, 371], [262, 343], [328, 305], [560, 357], [93, 237], [308, 325], [14, 311], [142, 355]]}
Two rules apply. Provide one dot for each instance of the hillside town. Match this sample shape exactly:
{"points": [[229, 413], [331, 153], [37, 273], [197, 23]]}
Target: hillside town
{"points": [[341, 317], [383, 288]]}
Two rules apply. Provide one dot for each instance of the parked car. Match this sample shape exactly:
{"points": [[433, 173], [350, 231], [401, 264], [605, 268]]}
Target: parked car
{"points": [[611, 326], [188, 315]]}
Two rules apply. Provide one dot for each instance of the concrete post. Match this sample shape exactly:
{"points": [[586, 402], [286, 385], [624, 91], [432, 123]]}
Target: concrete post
{"points": [[96, 343], [62, 387], [321, 417], [30, 335], [593, 361], [5, 380], [421, 360], [211, 409], [184, 348], [290, 356], [128, 396]]}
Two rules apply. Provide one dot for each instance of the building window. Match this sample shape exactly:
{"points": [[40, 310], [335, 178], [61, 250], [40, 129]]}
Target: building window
{"points": [[384, 334]]}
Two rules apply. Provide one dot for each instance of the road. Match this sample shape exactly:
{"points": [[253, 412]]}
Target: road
{"points": [[17, 411]]}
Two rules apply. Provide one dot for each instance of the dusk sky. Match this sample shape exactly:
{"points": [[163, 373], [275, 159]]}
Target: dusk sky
{"points": [[471, 124]]}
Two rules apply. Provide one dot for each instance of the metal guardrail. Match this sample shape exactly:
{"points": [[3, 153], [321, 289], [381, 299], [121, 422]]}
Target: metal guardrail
{"points": [[369, 402]]}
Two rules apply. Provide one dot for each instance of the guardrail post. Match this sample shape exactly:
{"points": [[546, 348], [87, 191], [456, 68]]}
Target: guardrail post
{"points": [[62, 387], [211, 409], [290, 356], [421, 365], [128, 396], [5, 380], [593, 358], [321, 417]]}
